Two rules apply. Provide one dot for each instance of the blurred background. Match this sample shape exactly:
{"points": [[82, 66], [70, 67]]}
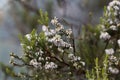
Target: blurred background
{"points": [[20, 17]]}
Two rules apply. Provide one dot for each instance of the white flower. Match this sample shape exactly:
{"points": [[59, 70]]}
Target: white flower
{"points": [[41, 59], [113, 27], [71, 49], [105, 36], [57, 37], [115, 13], [116, 7], [28, 47], [113, 3], [69, 31], [44, 28], [41, 52], [54, 21], [113, 58], [50, 40], [78, 58], [109, 51], [60, 49], [22, 44], [35, 63], [28, 36], [118, 42], [73, 58], [111, 22], [47, 58], [47, 33], [70, 55], [108, 8], [50, 65], [37, 53], [52, 31], [59, 27], [75, 64], [83, 63], [58, 41], [103, 27], [113, 70]]}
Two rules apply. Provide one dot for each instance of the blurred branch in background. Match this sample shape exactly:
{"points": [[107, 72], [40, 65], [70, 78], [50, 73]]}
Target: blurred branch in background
{"points": [[1, 16], [24, 15], [74, 12], [27, 6], [8, 71]]}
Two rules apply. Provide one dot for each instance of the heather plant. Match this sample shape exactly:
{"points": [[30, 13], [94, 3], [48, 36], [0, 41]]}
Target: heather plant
{"points": [[110, 33], [55, 54], [49, 53]]}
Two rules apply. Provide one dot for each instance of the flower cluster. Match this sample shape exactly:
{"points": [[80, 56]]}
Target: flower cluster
{"points": [[51, 50], [113, 61], [105, 36], [73, 58], [109, 51], [50, 65], [113, 70], [35, 63], [56, 38], [111, 20], [76, 61], [110, 34], [113, 9], [56, 35]]}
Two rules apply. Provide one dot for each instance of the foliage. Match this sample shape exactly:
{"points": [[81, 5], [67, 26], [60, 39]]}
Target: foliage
{"points": [[46, 55], [89, 45], [98, 73], [43, 18], [8, 71], [48, 52]]}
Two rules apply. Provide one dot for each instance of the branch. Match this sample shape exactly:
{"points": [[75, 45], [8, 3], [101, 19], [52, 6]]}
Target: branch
{"points": [[56, 58], [28, 7]]}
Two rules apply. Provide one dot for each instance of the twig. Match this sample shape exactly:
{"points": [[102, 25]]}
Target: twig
{"points": [[73, 41], [57, 58]]}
